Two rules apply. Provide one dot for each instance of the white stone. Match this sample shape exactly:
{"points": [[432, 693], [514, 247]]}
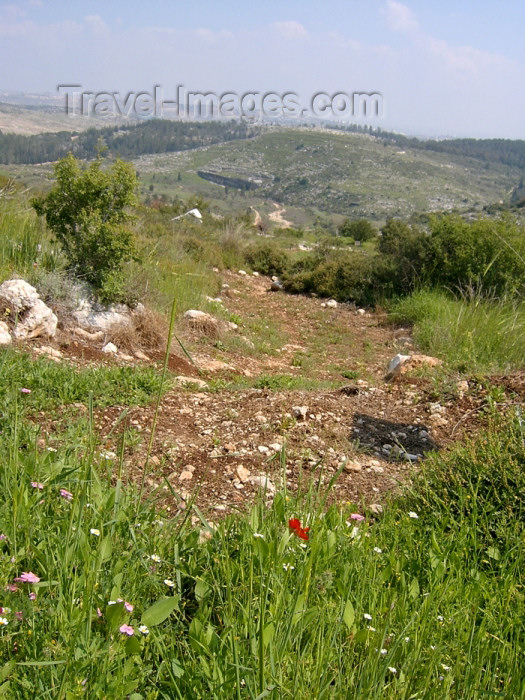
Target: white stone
{"points": [[195, 314], [242, 473], [242, 272], [93, 317], [276, 446], [110, 348], [396, 362], [300, 411], [331, 304], [5, 336], [19, 293], [263, 482], [36, 321]]}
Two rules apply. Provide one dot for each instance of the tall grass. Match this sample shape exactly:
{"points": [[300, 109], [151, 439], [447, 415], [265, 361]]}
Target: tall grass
{"points": [[473, 334], [23, 239], [425, 601]]}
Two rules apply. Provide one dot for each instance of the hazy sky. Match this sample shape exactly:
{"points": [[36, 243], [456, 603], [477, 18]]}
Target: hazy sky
{"points": [[453, 67]]}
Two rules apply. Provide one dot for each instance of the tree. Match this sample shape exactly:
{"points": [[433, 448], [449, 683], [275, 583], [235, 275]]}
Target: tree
{"points": [[88, 211], [359, 230]]}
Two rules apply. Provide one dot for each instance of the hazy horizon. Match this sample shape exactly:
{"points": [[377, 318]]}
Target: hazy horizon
{"points": [[442, 69]]}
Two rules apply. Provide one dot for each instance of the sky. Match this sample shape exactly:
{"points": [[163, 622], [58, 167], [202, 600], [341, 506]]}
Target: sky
{"points": [[442, 68]]}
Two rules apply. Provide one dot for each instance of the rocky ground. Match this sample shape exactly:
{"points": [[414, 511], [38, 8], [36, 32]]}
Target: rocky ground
{"points": [[230, 429]]}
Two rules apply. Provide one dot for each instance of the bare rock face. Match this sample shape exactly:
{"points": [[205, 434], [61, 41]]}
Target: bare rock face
{"points": [[33, 317]]}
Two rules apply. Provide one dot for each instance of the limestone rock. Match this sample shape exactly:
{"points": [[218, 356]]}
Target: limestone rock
{"points": [[33, 317], [19, 293], [94, 317], [242, 473], [331, 304], [300, 412], [264, 483], [399, 364], [110, 349], [5, 336]]}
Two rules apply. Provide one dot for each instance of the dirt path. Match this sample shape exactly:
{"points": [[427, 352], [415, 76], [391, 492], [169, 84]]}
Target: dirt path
{"points": [[277, 216], [221, 446]]}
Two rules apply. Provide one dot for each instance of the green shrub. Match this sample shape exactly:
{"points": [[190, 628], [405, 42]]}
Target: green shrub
{"points": [[486, 254], [267, 259], [87, 211], [359, 230]]}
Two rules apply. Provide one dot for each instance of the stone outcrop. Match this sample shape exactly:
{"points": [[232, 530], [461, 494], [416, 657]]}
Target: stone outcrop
{"points": [[30, 317]]}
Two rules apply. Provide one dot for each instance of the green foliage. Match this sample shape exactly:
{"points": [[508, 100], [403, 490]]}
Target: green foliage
{"points": [[486, 254], [422, 601], [53, 384], [267, 258], [359, 230], [341, 274], [87, 210], [471, 334]]}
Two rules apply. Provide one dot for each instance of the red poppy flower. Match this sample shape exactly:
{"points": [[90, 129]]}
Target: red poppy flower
{"points": [[295, 526]]}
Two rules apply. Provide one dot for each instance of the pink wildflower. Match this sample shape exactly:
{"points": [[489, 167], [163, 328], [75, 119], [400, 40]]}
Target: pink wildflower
{"points": [[99, 612], [11, 587], [37, 485], [25, 391], [127, 629], [27, 577], [3, 537], [66, 494], [19, 615], [357, 516], [128, 606], [32, 595]]}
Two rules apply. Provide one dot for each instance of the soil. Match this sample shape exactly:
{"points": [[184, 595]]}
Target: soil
{"points": [[216, 448]]}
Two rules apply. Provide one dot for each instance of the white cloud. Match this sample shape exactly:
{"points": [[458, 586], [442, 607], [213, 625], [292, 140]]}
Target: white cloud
{"points": [[96, 24], [400, 17], [290, 30]]}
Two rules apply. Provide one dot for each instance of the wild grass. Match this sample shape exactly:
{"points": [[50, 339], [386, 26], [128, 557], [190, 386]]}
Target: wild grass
{"points": [[471, 334], [49, 384], [424, 601]]}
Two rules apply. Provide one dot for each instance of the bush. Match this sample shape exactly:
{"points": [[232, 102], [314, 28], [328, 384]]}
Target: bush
{"points": [[267, 259], [359, 230], [87, 211], [486, 254], [340, 274]]}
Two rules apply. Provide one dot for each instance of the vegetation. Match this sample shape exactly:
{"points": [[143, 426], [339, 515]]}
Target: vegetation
{"points": [[473, 334], [123, 141], [87, 210], [104, 595], [359, 230]]}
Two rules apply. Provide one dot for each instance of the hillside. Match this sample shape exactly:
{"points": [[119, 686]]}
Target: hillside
{"points": [[320, 172]]}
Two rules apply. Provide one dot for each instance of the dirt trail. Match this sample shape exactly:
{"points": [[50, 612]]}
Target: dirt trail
{"points": [[223, 445], [277, 216], [294, 392]]}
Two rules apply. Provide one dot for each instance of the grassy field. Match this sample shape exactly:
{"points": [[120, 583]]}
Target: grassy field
{"points": [[473, 335]]}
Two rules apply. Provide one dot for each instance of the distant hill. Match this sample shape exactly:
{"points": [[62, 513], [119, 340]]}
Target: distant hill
{"points": [[317, 173], [326, 172]]}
